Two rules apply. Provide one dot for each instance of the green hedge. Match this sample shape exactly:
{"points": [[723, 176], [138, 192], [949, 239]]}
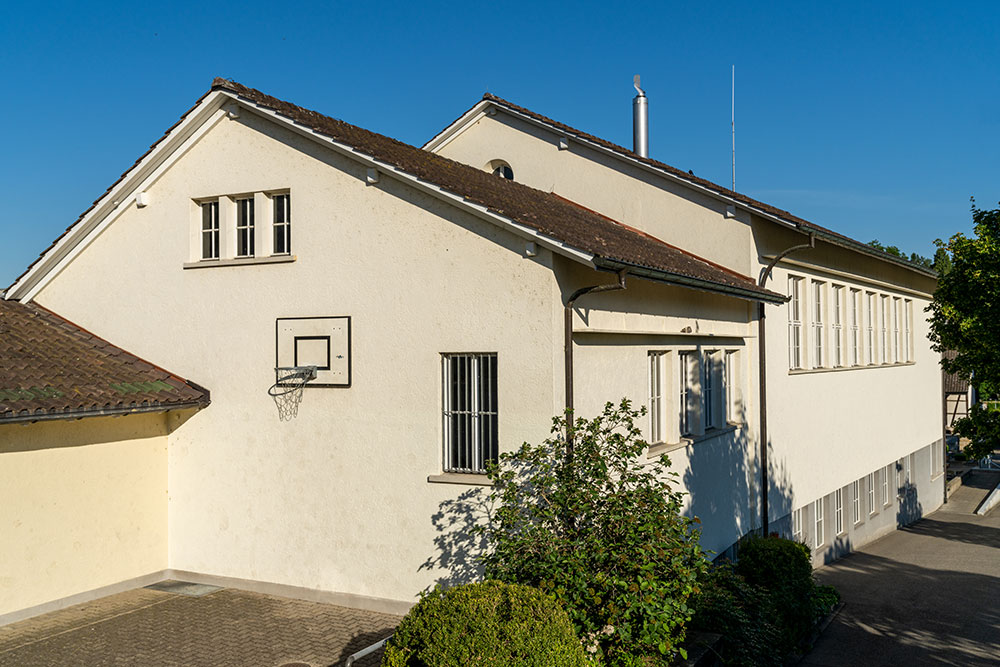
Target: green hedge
{"points": [[766, 604], [490, 624]]}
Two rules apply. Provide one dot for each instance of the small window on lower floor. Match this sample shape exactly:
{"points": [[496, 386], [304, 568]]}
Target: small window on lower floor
{"points": [[470, 411]]}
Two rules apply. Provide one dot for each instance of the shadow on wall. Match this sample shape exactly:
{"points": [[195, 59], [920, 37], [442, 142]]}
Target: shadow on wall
{"points": [[909, 509], [838, 548], [457, 547], [899, 613], [723, 481]]}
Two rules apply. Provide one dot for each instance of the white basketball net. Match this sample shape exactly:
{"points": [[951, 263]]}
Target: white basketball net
{"points": [[288, 388]]}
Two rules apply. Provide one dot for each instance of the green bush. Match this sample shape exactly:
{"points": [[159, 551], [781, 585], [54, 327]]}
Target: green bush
{"points": [[599, 527], [784, 569], [742, 613], [488, 624]]}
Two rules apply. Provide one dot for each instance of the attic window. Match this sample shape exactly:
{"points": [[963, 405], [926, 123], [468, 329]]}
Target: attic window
{"points": [[501, 169]]}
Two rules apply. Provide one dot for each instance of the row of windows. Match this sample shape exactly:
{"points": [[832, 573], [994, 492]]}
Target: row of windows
{"points": [[869, 494], [835, 326], [691, 392], [243, 221]]}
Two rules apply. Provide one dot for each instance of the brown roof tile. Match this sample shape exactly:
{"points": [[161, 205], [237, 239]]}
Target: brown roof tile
{"points": [[51, 368], [953, 383], [617, 245], [709, 185]]}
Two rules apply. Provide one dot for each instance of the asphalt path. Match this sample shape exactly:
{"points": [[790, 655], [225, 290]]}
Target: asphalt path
{"points": [[928, 594]]}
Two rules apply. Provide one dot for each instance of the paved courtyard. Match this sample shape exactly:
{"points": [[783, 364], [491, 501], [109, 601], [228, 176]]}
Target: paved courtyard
{"points": [[221, 627], [925, 595]]}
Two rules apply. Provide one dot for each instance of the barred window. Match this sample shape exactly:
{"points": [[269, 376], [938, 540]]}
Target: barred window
{"points": [[282, 224], [884, 345], [907, 333], [854, 338], [470, 412], [870, 330], [244, 227], [210, 230]]}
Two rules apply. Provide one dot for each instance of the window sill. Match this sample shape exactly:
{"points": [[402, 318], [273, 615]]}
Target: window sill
{"points": [[239, 261], [657, 450], [838, 369], [469, 479]]}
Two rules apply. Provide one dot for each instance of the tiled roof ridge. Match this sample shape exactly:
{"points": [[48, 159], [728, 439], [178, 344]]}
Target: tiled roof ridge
{"points": [[710, 185], [430, 166]]}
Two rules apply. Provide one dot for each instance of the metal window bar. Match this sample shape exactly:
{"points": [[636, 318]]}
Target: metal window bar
{"points": [[282, 224], [210, 230], [244, 227], [470, 412]]}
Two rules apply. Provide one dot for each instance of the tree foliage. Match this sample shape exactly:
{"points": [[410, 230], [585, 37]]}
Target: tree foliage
{"points": [[896, 252], [599, 527], [965, 317]]}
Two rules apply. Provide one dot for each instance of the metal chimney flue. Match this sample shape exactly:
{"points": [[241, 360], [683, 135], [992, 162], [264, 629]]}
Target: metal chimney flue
{"points": [[640, 121]]}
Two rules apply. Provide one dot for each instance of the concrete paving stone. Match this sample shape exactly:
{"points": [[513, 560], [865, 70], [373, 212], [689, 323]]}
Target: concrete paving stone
{"points": [[225, 627]]}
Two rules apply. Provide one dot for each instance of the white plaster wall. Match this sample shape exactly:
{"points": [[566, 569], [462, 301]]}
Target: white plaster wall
{"points": [[623, 192], [83, 504], [337, 499]]}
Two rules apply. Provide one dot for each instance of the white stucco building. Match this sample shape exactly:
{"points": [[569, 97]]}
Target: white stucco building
{"points": [[431, 292]]}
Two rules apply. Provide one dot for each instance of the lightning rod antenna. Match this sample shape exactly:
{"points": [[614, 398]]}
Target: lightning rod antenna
{"points": [[733, 127]]}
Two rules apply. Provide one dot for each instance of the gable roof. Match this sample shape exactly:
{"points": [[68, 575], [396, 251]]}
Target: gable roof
{"points": [[765, 210], [52, 369], [953, 383], [603, 242]]}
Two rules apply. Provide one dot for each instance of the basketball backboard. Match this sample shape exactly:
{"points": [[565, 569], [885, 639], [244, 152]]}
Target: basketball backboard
{"points": [[323, 342]]}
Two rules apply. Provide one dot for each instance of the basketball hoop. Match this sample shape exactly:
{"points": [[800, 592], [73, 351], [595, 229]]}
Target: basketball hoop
{"points": [[290, 381]]}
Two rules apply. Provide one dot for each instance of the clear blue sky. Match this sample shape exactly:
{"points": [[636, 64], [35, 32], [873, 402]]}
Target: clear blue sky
{"points": [[878, 120]]}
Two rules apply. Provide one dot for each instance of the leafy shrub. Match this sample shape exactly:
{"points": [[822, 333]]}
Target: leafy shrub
{"points": [[593, 523], [784, 569], [488, 624]]}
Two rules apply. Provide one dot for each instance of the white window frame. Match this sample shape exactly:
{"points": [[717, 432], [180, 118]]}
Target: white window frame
{"points": [[687, 414], [856, 501], [795, 323], [908, 330], [729, 384], [871, 493], [871, 315], [837, 325], [657, 402], [884, 329], [210, 229], [818, 538], [281, 223], [838, 511], [854, 340], [797, 525], [245, 227], [896, 331], [476, 403], [818, 324], [885, 484], [708, 397]]}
